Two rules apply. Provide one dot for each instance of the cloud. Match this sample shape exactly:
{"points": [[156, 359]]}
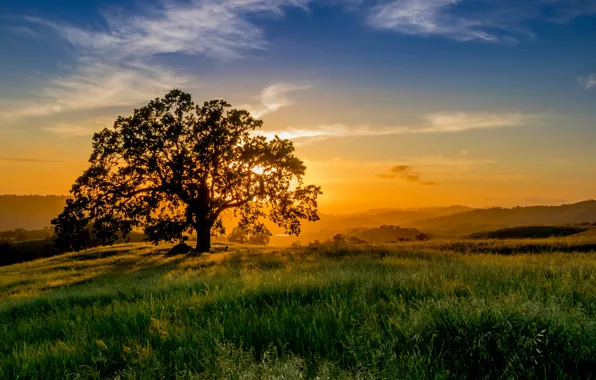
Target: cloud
{"points": [[474, 20], [18, 159], [274, 97], [100, 85], [433, 123], [406, 173], [116, 65], [352, 170], [588, 82], [82, 128], [23, 31], [461, 121]]}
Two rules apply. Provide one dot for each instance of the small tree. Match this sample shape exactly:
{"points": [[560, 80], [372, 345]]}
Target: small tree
{"points": [[260, 238], [238, 235], [339, 239], [173, 168]]}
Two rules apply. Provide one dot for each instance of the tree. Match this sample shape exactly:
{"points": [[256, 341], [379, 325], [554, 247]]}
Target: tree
{"points": [[260, 238], [339, 239], [242, 236], [173, 168], [355, 240], [238, 235]]}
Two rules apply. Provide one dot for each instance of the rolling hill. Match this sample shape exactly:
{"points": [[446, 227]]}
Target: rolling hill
{"points": [[496, 218]]}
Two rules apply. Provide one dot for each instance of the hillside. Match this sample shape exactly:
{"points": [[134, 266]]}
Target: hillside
{"points": [[496, 218], [529, 232], [419, 310], [330, 225]]}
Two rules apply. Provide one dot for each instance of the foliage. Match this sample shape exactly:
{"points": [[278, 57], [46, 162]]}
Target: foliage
{"points": [[238, 235], [173, 168], [413, 310], [355, 240], [385, 233], [242, 236], [339, 240], [259, 238]]}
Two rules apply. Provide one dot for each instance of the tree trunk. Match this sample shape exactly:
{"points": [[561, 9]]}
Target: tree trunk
{"points": [[203, 239]]}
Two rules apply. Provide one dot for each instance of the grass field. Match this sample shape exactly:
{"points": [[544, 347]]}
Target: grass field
{"points": [[436, 309]]}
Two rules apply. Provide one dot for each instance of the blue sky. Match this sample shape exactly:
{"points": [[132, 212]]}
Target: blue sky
{"points": [[462, 91]]}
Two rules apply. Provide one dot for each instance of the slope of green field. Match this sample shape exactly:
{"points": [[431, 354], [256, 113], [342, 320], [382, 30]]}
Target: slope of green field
{"points": [[414, 310]]}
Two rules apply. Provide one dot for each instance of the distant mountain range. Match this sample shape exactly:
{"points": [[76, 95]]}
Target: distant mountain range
{"points": [[494, 218], [30, 212], [330, 225], [36, 212]]}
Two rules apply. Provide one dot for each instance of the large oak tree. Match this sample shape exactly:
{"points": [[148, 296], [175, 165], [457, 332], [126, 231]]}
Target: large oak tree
{"points": [[175, 167]]}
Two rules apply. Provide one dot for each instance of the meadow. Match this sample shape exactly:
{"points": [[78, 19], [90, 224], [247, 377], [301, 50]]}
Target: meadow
{"points": [[439, 309]]}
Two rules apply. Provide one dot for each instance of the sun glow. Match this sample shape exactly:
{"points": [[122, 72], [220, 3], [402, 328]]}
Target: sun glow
{"points": [[258, 170]]}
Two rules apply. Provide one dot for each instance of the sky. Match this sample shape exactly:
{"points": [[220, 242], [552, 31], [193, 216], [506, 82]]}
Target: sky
{"points": [[390, 103]]}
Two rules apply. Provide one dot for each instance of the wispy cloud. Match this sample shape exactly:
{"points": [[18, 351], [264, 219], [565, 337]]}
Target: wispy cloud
{"points": [[275, 97], [23, 31], [462, 121], [434, 123], [21, 159], [472, 20], [588, 82], [116, 64], [406, 173], [441, 168], [80, 128], [99, 85]]}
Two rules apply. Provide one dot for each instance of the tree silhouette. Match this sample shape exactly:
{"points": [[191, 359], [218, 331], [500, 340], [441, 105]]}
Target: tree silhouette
{"points": [[174, 167], [260, 238], [238, 235]]}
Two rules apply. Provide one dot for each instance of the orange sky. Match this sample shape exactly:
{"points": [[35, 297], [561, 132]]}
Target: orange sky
{"points": [[356, 173]]}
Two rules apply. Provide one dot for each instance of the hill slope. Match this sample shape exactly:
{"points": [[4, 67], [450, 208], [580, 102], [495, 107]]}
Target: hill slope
{"points": [[529, 232], [495, 218], [330, 225], [131, 312]]}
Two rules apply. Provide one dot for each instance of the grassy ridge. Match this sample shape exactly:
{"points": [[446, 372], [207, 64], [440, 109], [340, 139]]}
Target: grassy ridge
{"points": [[415, 310], [529, 232]]}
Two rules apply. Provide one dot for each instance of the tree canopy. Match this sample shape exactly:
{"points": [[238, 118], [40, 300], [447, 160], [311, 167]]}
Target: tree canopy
{"points": [[240, 235], [174, 167]]}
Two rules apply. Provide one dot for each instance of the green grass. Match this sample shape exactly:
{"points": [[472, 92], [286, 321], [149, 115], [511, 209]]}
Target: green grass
{"points": [[437, 309]]}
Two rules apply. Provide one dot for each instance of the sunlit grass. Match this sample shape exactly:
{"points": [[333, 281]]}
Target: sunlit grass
{"points": [[436, 309]]}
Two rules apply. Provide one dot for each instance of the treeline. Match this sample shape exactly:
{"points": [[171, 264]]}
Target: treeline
{"points": [[21, 234], [379, 235]]}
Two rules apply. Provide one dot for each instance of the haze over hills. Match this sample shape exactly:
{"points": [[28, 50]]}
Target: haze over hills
{"points": [[495, 218], [36, 212], [30, 212], [330, 225]]}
